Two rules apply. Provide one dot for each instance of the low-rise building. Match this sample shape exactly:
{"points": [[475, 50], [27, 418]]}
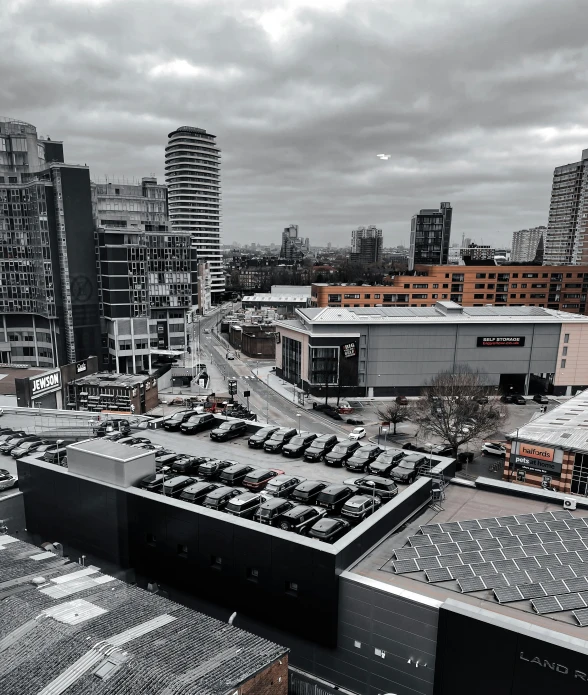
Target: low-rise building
{"points": [[119, 393]]}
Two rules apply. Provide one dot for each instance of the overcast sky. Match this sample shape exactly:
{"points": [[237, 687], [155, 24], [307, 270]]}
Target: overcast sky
{"points": [[476, 101]]}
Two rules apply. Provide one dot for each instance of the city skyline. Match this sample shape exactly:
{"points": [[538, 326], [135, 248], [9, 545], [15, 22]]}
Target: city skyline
{"points": [[300, 141]]}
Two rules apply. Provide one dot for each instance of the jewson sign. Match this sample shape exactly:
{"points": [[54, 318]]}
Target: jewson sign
{"points": [[45, 383]]}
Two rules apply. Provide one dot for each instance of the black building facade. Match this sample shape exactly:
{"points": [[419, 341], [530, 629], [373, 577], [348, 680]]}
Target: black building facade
{"points": [[430, 232]]}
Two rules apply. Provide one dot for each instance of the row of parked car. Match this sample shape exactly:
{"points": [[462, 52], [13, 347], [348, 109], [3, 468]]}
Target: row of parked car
{"points": [[18, 443]]}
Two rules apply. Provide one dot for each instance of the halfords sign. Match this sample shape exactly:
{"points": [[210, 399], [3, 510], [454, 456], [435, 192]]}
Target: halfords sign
{"points": [[536, 452], [46, 383], [493, 341]]}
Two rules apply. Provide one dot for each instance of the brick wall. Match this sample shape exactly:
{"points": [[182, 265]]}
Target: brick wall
{"points": [[561, 484], [272, 681]]}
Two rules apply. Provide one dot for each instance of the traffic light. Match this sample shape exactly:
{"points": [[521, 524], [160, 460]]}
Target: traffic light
{"points": [[232, 387]]}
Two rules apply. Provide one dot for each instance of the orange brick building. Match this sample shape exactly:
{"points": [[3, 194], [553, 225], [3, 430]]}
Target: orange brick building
{"points": [[562, 288]]}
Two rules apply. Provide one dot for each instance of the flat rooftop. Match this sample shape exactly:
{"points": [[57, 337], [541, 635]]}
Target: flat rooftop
{"points": [[466, 504], [108, 379], [9, 374], [565, 425], [71, 628]]}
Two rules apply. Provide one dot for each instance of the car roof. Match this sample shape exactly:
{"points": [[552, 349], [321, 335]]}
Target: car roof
{"points": [[416, 456], [178, 479], [274, 502], [235, 467], [298, 509], [323, 438], [221, 491], [368, 447], [377, 479], [309, 484], [356, 500], [326, 523], [257, 472], [195, 487], [335, 488], [245, 497]]}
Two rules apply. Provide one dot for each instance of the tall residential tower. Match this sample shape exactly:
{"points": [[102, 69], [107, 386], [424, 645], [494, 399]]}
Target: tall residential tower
{"points": [[430, 231], [366, 245], [192, 165], [525, 244]]}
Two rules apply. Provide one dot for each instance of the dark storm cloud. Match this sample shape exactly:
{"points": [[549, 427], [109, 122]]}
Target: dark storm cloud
{"points": [[476, 102]]}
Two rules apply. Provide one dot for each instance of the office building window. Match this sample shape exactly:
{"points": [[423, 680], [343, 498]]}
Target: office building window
{"points": [[563, 364], [291, 360], [564, 352], [324, 365], [567, 338]]}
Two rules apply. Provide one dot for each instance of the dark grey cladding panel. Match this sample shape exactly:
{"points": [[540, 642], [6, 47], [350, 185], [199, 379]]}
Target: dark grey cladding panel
{"points": [[401, 606], [352, 618]]}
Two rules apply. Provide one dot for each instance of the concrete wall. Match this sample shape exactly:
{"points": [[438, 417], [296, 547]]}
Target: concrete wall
{"points": [[575, 373]]}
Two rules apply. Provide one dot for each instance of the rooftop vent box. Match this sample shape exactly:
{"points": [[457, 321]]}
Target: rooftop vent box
{"points": [[448, 308]]}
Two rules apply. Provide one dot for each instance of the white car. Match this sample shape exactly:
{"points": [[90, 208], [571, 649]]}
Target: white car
{"points": [[7, 480], [493, 449], [230, 355], [358, 433]]}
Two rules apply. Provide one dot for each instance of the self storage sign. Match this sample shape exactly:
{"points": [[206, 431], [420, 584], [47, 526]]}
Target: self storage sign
{"points": [[494, 341], [45, 383]]}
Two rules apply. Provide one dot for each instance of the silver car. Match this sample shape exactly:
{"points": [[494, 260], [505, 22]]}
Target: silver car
{"points": [[7, 479]]}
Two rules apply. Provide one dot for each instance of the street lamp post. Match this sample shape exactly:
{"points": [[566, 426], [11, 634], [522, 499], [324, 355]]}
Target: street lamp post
{"points": [[267, 399], [298, 415], [385, 431], [373, 486]]}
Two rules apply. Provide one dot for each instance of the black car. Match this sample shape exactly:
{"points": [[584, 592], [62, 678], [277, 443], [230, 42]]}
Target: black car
{"points": [[173, 486], [279, 438], [270, 512], [374, 485], [166, 459], [228, 430], [334, 497], [283, 485], [259, 438], [14, 441], [6, 430], [111, 426], [321, 446], [186, 465], [362, 457], [341, 452], [235, 474], [58, 452], [27, 447], [134, 441], [153, 482], [298, 444], [9, 435], [212, 467], [197, 492], [408, 469], [386, 461], [540, 398], [519, 400], [299, 517], [198, 423], [245, 505], [219, 498], [177, 419], [308, 491], [116, 436], [358, 507], [441, 450], [329, 530]]}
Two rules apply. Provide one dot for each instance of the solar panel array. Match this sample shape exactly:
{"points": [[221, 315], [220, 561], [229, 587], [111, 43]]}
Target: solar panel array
{"points": [[539, 557]]}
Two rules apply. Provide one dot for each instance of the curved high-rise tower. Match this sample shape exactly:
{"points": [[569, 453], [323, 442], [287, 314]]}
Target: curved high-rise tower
{"points": [[192, 166]]}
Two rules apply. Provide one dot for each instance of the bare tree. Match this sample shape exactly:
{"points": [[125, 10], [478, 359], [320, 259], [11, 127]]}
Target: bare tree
{"points": [[394, 413], [455, 407]]}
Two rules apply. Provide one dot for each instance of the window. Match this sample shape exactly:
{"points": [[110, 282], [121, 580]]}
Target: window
{"points": [[489, 296], [513, 286], [479, 286], [150, 538], [334, 298], [564, 352], [445, 287], [522, 296], [367, 296], [524, 286], [567, 338], [351, 296], [568, 275], [480, 276], [417, 286], [457, 277], [435, 286], [478, 296], [292, 588], [182, 550], [563, 364], [216, 562], [434, 296], [420, 296], [492, 276], [253, 574], [490, 286], [292, 360], [515, 275], [532, 275], [407, 286], [376, 296]]}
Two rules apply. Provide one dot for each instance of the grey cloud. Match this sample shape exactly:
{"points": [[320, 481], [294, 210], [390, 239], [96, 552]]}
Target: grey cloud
{"points": [[457, 94]]}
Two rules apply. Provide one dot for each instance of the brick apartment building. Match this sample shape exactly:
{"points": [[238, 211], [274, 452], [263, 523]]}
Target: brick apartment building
{"points": [[561, 288]]}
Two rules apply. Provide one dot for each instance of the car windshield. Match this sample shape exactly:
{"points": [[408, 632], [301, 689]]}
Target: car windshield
{"points": [[297, 440], [278, 436], [265, 512], [225, 426], [362, 454], [194, 418], [27, 445], [265, 431], [340, 449], [177, 416], [407, 464]]}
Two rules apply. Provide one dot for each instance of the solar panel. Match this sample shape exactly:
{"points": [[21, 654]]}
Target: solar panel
{"points": [[507, 594], [582, 532], [469, 558], [540, 575], [519, 530], [553, 548], [471, 524], [529, 539], [417, 541], [440, 574], [404, 566], [507, 520], [461, 571], [576, 523], [570, 602], [448, 548], [563, 572], [488, 523], [506, 566], [548, 537], [460, 536], [529, 591], [427, 563], [489, 543], [538, 527], [558, 526], [451, 526], [534, 550], [513, 552], [577, 584], [490, 555], [569, 535], [554, 587], [469, 546], [510, 541], [527, 563], [428, 529], [549, 604], [494, 581], [549, 561], [483, 568], [501, 532], [515, 578], [574, 545], [562, 514], [583, 554], [449, 560], [471, 584], [525, 518], [544, 516], [427, 551], [582, 617], [566, 558], [406, 553], [437, 538], [480, 533]]}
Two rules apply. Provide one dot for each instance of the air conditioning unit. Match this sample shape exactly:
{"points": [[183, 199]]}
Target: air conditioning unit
{"points": [[569, 503]]}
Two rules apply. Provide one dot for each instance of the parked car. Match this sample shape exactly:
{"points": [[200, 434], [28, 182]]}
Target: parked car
{"points": [[282, 485], [540, 398], [173, 486], [332, 412], [235, 474], [197, 492], [363, 457], [116, 436], [258, 439], [198, 423], [279, 438], [42, 448], [341, 452], [334, 497], [357, 433], [228, 430], [173, 422], [7, 479], [165, 458], [408, 469], [14, 440], [219, 498], [519, 400], [28, 447], [307, 491], [320, 447], [402, 400], [134, 441], [441, 450], [271, 510], [230, 355], [259, 478], [153, 482], [300, 517], [57, 452], [186, 465], [245, 505], [117, 424], [298, 444], [8, 435], [212, 467], [494, 449], [374, 485], [329, 530], [386, 461], [359, 507], [6, 430]]}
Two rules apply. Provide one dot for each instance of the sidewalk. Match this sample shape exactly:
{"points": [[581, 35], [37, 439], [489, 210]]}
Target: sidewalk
{"points": [[283, 388]]}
